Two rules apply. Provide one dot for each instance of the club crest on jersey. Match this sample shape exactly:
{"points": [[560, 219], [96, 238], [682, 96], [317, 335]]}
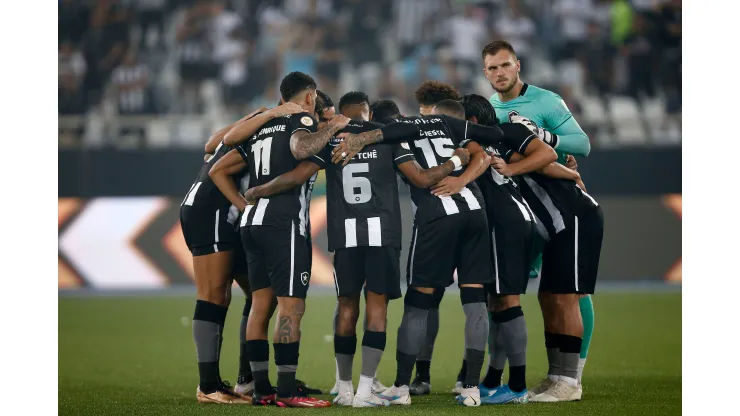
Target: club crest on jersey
{"points": [[304, 278], [307, 121], [513, 113]]}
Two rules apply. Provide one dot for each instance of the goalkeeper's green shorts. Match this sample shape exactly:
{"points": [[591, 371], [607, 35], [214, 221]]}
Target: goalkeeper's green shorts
{"points": [[537, 245]]}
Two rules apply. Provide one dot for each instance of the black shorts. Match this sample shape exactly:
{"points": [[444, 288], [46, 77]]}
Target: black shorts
{"points": [[459, 241], [377, 268], [512, 226], [277, 258], [570, 260], [207, 230]]}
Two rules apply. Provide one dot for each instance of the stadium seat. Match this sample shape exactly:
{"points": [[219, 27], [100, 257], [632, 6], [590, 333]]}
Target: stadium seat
{"points": [[593, 110], [158, 133], [625, 116], [191, 132]]}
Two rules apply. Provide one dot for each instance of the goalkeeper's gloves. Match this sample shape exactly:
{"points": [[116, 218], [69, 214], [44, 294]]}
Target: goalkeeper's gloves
{"points": [[547, 137]]}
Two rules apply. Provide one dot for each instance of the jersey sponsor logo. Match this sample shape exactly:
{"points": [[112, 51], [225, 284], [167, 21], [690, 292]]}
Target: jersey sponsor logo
{"points": [[406, 146], [305, 277], [307, 121]]}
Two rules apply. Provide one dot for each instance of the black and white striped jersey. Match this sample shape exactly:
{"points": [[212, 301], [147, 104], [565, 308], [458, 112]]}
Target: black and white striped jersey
{"points": [[438, 137], [362, 197], [268, 156], [551, 198], [205, 194]]}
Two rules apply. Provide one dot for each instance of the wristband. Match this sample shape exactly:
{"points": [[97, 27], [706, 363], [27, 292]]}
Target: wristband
{"points": [[456, 161]]}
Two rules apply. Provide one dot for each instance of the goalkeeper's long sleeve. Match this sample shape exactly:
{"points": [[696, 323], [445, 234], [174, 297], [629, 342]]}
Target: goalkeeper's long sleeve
{"points": [[572, 139]]}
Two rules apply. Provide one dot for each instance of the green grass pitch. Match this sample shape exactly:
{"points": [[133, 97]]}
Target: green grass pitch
{"points": [[135, 356]]}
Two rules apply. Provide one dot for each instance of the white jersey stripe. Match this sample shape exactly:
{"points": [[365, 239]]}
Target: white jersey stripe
{"points": [[350, 232], [215, 232], [449, 205], [374, 232], [411, 262], [245, 215], [495, 261], [473, 203], [259, 212], [587, 195], [524, 211], [191, 195], [302, 212], [557, 218], [292, 257]]}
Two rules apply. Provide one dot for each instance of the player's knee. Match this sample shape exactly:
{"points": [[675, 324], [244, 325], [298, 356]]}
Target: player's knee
{"points": [[437, 297], [424, 290], [216, 295], [348, 313], [376, 317], [294, 307], [419, 298], [505, 302]]}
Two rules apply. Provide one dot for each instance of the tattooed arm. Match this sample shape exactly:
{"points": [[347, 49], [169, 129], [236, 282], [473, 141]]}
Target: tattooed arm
{"points": [[304, 144], [390, 134]]}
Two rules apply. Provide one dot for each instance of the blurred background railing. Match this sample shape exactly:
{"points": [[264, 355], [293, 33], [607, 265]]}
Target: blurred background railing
{"points": [[161, 73]]}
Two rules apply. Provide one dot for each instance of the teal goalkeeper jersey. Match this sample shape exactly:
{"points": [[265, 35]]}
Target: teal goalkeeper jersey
{"points": [[549, 111]]}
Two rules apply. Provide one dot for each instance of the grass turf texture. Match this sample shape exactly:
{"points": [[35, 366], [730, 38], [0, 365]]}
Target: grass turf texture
{"points": [[134, 356]]}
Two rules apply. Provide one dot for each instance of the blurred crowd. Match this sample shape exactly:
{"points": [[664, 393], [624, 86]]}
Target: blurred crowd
{"points": [[219, 59]]}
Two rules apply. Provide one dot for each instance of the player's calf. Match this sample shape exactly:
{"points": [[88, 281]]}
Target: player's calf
{"points": [[473, 300]]}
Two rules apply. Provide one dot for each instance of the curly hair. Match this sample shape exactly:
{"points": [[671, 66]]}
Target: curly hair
{"points": [[432, 92]]}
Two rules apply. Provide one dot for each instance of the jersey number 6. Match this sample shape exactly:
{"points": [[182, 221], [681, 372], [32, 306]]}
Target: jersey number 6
{"points": [[351, 182]]}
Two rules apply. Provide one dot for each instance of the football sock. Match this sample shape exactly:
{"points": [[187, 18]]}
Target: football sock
{"points": [[411, 333], [586, 305], [570, 351], [514, 335], [373, 345], [476, 332], [552, 345], [258, 351], [497, 354], [344, 352], [208, 320], [463, 370], [245, 371], [286, 360], [424, 359]]}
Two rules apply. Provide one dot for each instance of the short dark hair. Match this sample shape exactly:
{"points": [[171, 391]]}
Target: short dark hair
{"points": [[294, 83], [352, 98], [383, 111], [479, 107], [432, 92], [451, 107], [495, 47], [323, 103]]}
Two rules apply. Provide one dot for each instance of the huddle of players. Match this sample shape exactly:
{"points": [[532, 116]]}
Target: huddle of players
{"points": [[473, 221]]}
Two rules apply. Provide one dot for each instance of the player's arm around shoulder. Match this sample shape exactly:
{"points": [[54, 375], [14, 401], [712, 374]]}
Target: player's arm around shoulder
{"points": [[424, 178], [218, 136], [479, 162], [306, 143], [230, 164], [289, 180]]}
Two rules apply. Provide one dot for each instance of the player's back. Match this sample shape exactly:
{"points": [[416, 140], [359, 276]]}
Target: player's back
{"points": [[205, 194], [434, 146], [362, 197], [268, 156]]}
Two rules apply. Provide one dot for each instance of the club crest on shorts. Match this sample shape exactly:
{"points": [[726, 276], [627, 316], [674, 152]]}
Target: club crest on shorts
{"points": [[306, 121], [304, 278], [405, 145]]}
